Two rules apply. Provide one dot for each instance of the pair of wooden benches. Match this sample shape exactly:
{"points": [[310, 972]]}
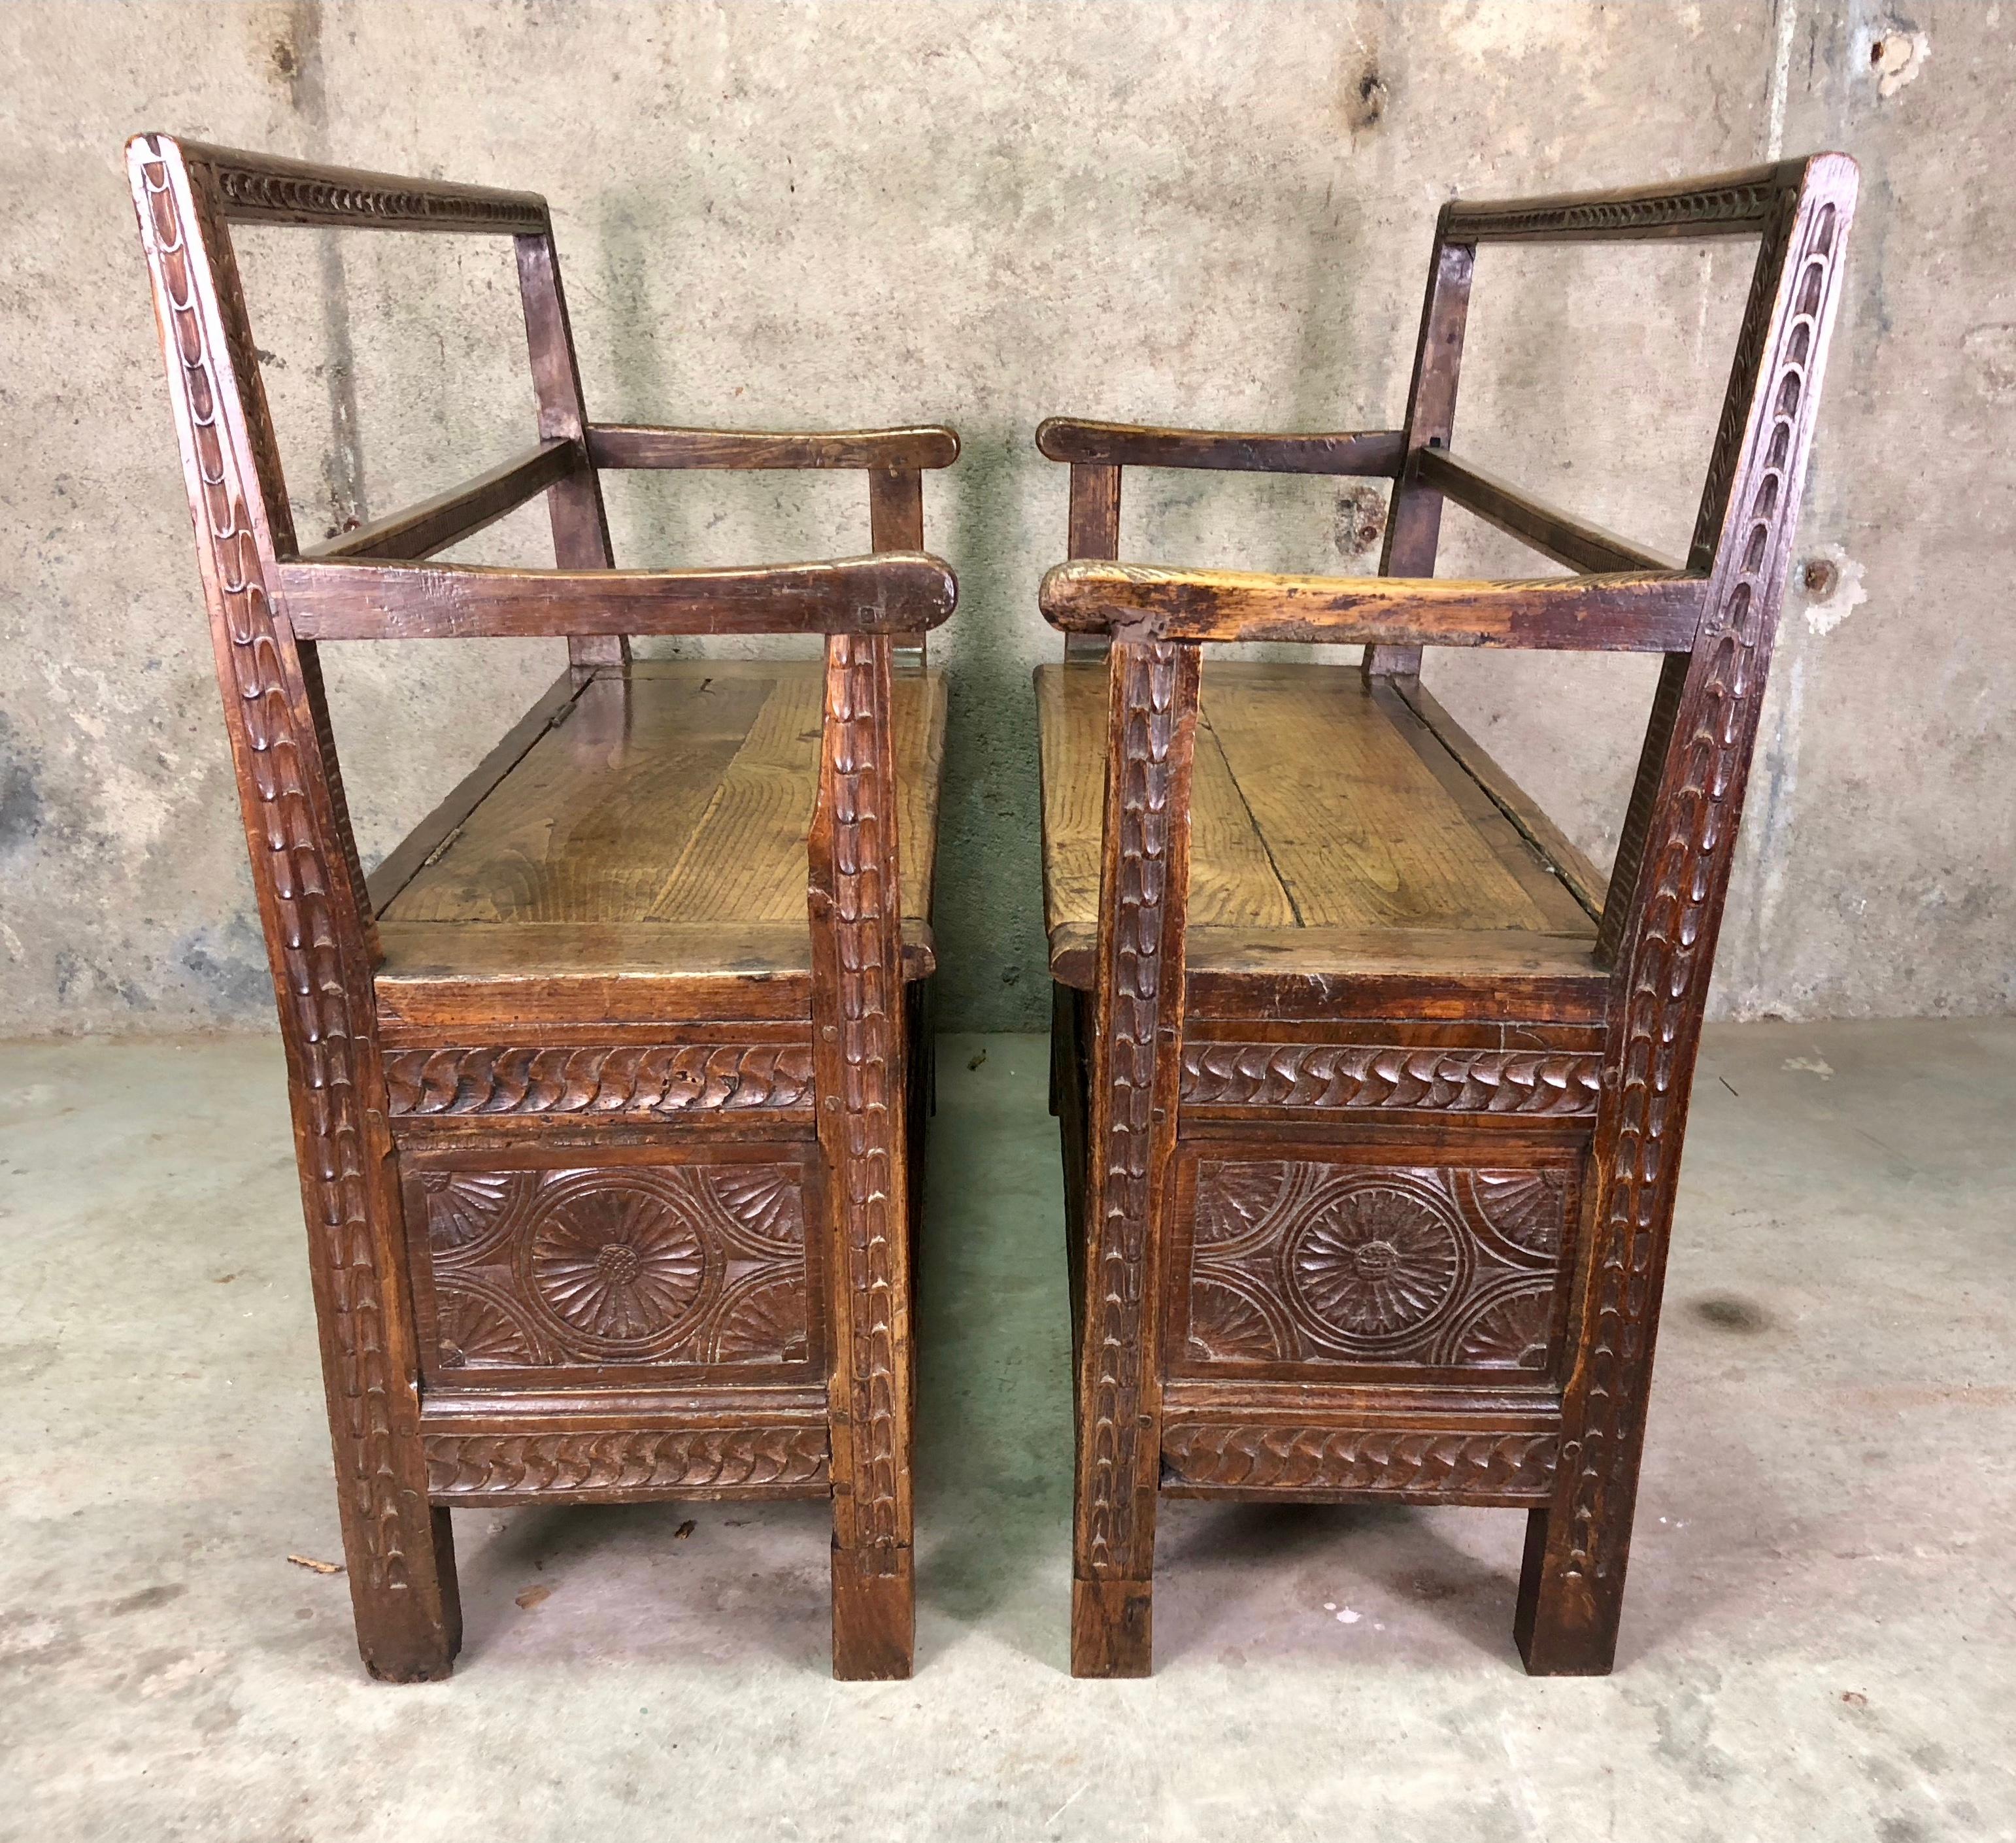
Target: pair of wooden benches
{"points": [[609, 1084]]}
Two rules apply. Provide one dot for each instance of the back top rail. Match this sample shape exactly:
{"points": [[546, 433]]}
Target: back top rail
{"points": [[249, 188], [1720, 205]]}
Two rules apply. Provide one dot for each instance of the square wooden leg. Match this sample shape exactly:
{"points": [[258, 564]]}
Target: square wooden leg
{"points": [[410, 1633], [1112, 1628], [874, 1614], [1564, 1627]]}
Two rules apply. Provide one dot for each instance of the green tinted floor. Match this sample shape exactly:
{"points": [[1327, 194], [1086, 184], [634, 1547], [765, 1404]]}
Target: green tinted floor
{"points": [[1819, 1641]]}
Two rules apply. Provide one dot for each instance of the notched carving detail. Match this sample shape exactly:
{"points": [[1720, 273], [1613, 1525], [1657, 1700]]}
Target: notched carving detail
{"points": [[1429, 1462], [1324, 1077], [601, 1081], [464, 1467]]}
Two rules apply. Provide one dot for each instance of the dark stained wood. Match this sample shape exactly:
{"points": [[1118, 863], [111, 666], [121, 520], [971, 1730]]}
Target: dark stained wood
{"points": [[892, 592], [448, 518], [574, 506], [622, 444], [1414, 519], [1398, 1234], [1095, 532], [1741, 203], [1571, 541], [1635, 612], [604, 1133], [1375, 451]]}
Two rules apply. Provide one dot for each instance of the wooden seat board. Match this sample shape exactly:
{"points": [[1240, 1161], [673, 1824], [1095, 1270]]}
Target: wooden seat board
{"points": [[1318, 804], [660, 828]]}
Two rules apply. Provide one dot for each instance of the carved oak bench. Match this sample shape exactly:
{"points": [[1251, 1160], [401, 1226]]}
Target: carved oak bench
{"points": [[1372, 1089], [608, 1083]]}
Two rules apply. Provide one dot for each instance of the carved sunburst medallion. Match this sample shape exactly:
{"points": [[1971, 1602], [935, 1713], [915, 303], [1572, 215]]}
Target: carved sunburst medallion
{"points": [[473, 1331], [1233, 1199], [1526, 1210], [1511, 1331], [1375, 1261], [617, 1262], [463, 1207]]}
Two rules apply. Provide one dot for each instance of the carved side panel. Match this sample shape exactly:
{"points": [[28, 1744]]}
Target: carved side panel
{"points": [[1664, 939], [1315, 1264], [859, 1069], [549, 1276], [1139, 1026], [1416, 1464], [308, 898], [493, 1468]]}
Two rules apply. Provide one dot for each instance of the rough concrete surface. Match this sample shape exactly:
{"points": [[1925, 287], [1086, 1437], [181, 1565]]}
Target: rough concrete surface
{"points": [[1819, 1639], [778, 216]]}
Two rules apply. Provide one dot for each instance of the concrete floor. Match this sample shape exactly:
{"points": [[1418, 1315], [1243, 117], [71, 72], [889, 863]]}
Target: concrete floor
{"points": [[1820, 1639]]}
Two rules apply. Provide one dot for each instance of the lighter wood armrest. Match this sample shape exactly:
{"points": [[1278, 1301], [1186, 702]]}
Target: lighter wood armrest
{"points": [[625, 445], [1375, 451], [1648, 612]]}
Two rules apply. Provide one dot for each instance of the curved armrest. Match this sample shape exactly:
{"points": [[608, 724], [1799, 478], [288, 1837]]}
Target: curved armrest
{"points": [[1649, 612], [625, 445], [893, 591], [1376, 451]]}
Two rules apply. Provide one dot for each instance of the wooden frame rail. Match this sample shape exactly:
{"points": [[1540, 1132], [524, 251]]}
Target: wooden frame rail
{"points": [[264, 189], [635, 445], [1376, 453], [1575, 541], [1625, 613], [893, 591], [1739, 203], [417, 531]]}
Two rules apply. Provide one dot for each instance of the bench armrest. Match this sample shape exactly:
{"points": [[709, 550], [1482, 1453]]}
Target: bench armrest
{"points": [[892, 591], [1376, 451], [625, 445], [1644, 612]]}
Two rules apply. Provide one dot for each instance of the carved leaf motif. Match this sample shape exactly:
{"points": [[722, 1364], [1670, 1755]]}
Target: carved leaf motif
{"points": [[473, 1330], [1227, 1327], [1431, 1462], [615, 1465], [1511, 1331], [617, 1263], [1377, 1260]]}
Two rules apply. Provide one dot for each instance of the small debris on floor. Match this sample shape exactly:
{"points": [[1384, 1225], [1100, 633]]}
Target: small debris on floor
{"points": [[1855, 1698], [534, 1597], [684, 1530], [977, 1061], [1810, 1065], [314, 1567], [223, 1279]]}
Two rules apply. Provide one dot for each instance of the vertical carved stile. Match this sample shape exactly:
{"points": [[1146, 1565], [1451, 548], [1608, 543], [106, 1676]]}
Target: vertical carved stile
{"points": [[1663, 926], [317, 930], [1135, 1069], [858, 1072]]}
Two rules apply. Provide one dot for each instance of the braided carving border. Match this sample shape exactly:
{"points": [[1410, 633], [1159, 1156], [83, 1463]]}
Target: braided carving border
{"points": [[1670, 955], [474, 1466], [1436, 1460], [289, 196], [296, 881], [1536, 1084], [601, 1079], [1749, 203]]}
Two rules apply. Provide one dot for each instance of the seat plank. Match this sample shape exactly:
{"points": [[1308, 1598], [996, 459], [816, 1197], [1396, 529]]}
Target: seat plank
{"points": [[657, 835], [1326, 821]]}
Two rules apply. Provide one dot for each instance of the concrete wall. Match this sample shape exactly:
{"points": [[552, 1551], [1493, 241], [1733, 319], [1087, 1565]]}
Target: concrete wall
{"points": [[842, 214]]}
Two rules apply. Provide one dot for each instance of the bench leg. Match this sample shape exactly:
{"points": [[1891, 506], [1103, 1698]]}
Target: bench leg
{"points": [[408, 1609], [874, 1614], [1112, 1628]]}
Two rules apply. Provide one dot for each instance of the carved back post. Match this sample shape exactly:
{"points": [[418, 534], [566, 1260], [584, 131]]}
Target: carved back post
{"points": [[1671, 878], [320, 936], [1414, 517]]}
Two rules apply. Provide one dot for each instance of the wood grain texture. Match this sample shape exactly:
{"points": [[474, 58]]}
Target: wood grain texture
{"points": [[1152, 707], [892, 593], [624, 444], [859, 1069], [1622, 613], [1310, 809], [1376, 451], [434, 524]]}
